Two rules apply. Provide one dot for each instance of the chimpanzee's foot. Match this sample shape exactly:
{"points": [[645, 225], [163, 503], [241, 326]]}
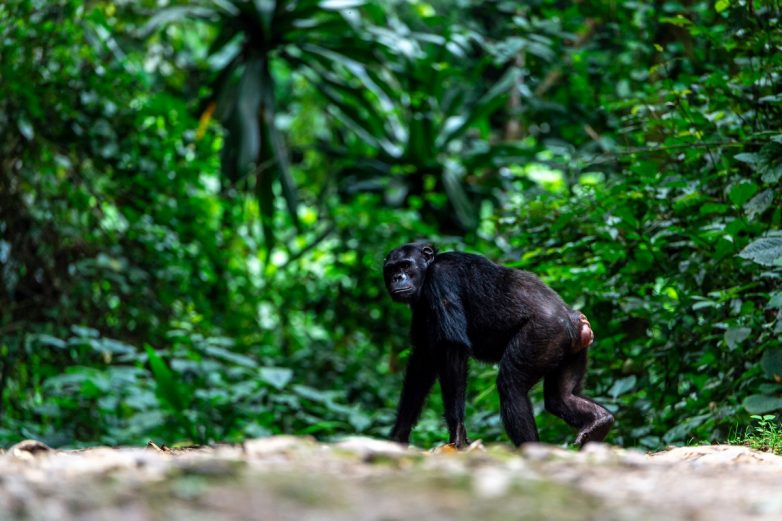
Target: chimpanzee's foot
{"points": [[595, 431], [400, 436], [459, 438], [463, 444]]}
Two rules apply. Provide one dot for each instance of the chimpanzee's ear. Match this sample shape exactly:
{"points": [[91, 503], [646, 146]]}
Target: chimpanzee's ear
{"points": [[429, 252]]}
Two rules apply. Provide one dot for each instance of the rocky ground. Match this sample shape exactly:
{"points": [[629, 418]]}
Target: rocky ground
{"points": [[297, 479]]}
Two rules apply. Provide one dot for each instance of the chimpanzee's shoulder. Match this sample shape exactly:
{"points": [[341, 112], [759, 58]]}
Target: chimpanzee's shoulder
{"points": [[451, 258], [455, 267]]}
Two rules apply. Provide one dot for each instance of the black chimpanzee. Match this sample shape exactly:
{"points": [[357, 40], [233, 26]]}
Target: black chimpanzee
{"points": [[465, 305]]}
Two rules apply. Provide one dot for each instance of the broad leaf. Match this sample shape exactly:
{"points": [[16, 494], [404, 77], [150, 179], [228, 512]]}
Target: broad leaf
{"points": [[622, 386], [485, 106], [49, 340], [452, 180], [760, 403], [741, 192], [277, 377], [748, 158], [168, 388], [735, 335], [177, 14], [772, 363], [341, 4], [760, 203], [766, 251]]}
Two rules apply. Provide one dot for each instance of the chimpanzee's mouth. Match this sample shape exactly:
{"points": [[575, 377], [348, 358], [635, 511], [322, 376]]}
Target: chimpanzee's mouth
{"points": [[401, 292]]}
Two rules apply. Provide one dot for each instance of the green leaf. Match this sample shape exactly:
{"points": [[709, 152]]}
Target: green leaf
{"points": [[760, 203], [680, 431], [741, 192], [735, 335], [772, 363], [772, 173], [341, 4], [678, 20], [229, 356], [248, 103], [228, 32], [176, 14], [359, 420], [110, 345], [769, 166], [168, 388], [721, 5], [289, 189], [51, 341], [280, 154], [760, 403], [622, 386], [775, 301], [464, 209], [766, 251], [748, 158], [420, 146], [381, 126], [85, 332], [310, 393], [277, 377], [714, 208], [265, 194], [25, 128], [269, 162], [485, 106]]}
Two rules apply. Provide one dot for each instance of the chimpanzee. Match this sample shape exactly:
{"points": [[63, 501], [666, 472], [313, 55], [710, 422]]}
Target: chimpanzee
{"points": [[465, 305]]}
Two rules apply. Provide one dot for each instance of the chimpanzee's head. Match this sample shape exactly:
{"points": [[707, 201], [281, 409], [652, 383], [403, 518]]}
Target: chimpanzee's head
{"points": [[404, 270]]}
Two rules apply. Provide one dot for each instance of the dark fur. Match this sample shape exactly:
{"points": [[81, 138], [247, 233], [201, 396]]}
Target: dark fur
{"points": [[465, 305]]}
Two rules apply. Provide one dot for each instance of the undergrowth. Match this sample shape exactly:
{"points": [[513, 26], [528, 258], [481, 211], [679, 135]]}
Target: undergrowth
{"points": [[765, 434]]}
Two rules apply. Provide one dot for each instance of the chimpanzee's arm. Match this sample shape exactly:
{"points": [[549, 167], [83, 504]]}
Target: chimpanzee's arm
{"points": [[419, 378], [448, 310], [453, 384]]}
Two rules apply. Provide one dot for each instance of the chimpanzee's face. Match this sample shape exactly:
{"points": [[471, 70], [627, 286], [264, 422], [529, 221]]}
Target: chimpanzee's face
{"points": [[404, 270]]}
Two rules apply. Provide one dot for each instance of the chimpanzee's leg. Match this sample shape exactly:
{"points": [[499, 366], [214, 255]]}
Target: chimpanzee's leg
{"points": [[453, 384], [419, 377], [515, 407], [530, 354], [562, 388]]}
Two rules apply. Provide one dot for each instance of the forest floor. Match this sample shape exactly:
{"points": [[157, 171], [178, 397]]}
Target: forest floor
{"points": [[298, 479]]}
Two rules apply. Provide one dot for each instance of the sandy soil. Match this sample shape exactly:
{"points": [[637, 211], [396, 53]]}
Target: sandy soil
{"points": [[298, 479]]}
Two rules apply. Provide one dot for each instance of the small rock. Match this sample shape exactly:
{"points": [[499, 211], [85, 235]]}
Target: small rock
{"points": [[29, 449], [370, 448], [543, 452], [277, 445]]}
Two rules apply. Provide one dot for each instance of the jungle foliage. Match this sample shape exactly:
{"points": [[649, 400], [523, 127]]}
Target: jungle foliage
{"points": [[195, 201]]}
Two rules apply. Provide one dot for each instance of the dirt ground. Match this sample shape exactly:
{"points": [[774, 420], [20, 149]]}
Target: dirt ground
{"points": [[298, 479]]}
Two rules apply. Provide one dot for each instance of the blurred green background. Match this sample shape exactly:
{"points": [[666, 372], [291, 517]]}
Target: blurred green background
{"points": [[196, 198]]}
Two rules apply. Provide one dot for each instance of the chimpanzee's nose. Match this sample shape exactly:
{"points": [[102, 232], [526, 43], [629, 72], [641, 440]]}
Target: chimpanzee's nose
{"points": [[398, 277]]}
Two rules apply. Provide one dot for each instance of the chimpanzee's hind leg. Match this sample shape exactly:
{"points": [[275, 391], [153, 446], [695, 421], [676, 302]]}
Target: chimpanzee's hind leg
{"points": [[515, 407], [562, 388], [530, 354]]}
